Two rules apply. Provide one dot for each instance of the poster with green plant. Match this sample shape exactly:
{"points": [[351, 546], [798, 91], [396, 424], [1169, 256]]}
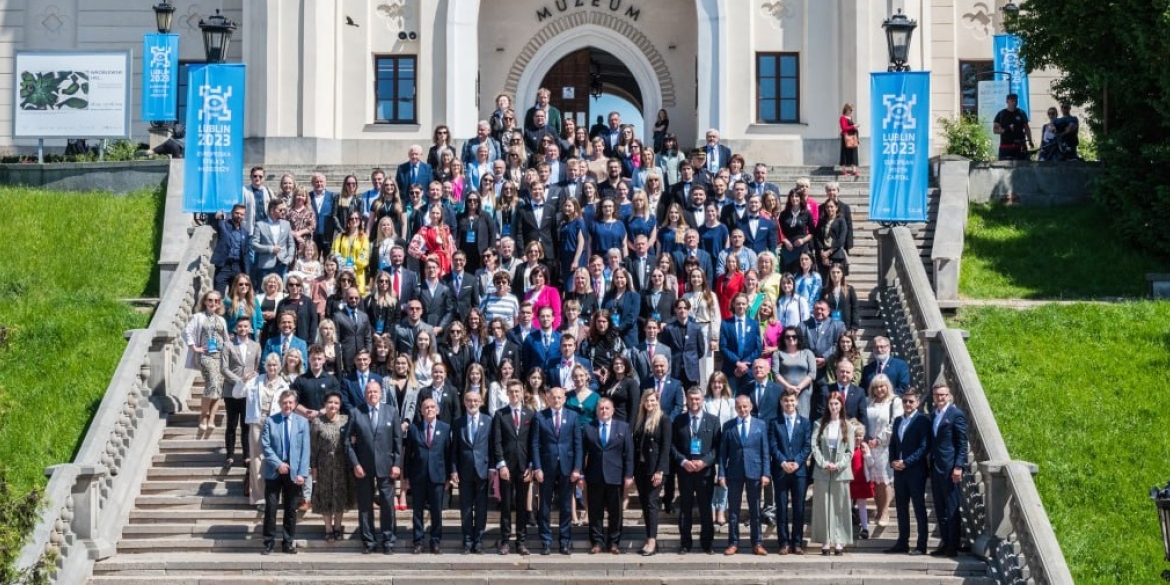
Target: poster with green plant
{"points": [[54, 90]]}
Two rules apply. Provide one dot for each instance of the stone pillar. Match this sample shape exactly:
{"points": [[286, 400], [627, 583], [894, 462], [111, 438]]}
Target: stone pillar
{"points": [[713, 66], [462, 68], [85, 508]]}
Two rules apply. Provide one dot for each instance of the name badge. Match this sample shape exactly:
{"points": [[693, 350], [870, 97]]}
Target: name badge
{"points": [[696, 446], [836, 315], [349, 262], [212, 345], [380, 326], [470, 238], [507, 229]]}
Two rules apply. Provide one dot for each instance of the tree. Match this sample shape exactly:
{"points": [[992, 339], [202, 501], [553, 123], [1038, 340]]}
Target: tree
{"points": [[1113, 61]]}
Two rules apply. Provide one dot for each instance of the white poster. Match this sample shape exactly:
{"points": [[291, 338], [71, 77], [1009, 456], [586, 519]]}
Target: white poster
{"points": [[992, 98], [72, 94]]}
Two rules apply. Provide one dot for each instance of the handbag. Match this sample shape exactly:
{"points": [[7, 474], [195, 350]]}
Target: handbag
{"points": [[851, 140]]}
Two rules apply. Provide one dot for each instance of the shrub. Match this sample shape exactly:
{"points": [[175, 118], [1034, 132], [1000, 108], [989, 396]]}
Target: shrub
{"points": [[966, 137]]}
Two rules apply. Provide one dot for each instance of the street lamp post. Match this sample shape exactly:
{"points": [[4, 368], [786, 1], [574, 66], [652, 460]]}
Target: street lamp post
{"points": [[899, 30], [1161, 499], [164, 15], [217, 35]]}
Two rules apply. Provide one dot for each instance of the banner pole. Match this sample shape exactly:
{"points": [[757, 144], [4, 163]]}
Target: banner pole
{"points": [[102, 151], [40, 151]]}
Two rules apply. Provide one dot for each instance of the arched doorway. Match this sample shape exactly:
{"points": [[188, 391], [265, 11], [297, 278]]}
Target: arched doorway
{"points": [[591, 82]]}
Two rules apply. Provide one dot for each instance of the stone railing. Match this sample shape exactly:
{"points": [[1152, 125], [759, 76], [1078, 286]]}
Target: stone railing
{"points": [[87, 502], [952, 176], [1003, 517]]}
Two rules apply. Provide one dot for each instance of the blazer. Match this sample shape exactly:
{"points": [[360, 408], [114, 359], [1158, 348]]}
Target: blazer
{"points": [[526, 229], [376, 445], [706, 264], [610, 463], [729, 343], [306, 311], [353, 333], [767, 236], [472, 457], [468, 295], [794, 450], [750, 459], [552, 374], [556, 454], [913, 447], [237, 367], [768, 409], [491, 365], [624, 312], [272, 445], [450, 407], [846, 306], [354, 392], [823, 341], [640, 359], [428, 463], [641, 277], [535, 354], [324, 228], [407, 284], [724, 154], [264, 244], [687, 346], [510, 444], [671, 398], [274, 345], [824, 455], [224, 231], [660, 311], [755, 188], [856, 404], [652, 450], [402, 176], [896, 368], [438, 305], [948, 450], [709, 435], [406, 334]]}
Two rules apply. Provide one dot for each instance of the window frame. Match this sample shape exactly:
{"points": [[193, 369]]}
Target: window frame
{"points": [[394, 99], [777, 80], [984, 69]]}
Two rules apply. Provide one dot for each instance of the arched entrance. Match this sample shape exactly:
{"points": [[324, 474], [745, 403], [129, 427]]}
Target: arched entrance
{"points": [[590, 82]]}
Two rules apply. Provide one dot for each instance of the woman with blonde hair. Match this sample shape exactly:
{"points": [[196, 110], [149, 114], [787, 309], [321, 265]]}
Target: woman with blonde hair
{"points": [[206, 336], [881, 410], [352, 249], [652, 432], [262, 400]]}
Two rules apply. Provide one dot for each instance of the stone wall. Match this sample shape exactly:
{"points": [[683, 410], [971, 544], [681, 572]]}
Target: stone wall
{"points": [[116, 177], [1033, 183]]}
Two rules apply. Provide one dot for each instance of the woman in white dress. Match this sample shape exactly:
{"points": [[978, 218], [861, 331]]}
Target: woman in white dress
{"points": [[719, 402], [705, 312], [263, 393], [791, 308], [832, 451], [883, 406]]}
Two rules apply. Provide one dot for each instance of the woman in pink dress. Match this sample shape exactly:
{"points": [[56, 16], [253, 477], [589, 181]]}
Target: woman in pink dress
{"points": [[543, 295]]}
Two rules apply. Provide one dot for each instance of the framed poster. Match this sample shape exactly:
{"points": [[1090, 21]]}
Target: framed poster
{"points": [[71, 94]]}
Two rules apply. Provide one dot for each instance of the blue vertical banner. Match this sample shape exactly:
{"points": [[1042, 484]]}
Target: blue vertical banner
{"points": [[900, 110], [1007, 59], [213, 171], [160, 77]]}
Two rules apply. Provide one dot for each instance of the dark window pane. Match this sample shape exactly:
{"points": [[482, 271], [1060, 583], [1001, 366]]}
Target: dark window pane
{"points": [[788, 65], [788, 111], [767, 90], [767, 66], [788, 88], [768, 111]]}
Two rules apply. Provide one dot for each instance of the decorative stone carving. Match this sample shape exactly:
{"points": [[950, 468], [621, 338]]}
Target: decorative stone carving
{"points": [[192, 18], [779, 11], [980, 20], [395, 14], [53, 19]]}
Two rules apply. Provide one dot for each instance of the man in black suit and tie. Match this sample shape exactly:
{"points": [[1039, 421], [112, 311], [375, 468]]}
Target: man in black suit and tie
{"points": [[556, 460], [536, 222], [437, 299], [640, 263], [464, 285], [853, 399], [446, 397], [373, 444], [791, 443], [472, 435], [354, 331], [403, 281], [511, 438], [687, 344], [608, 447], [693, 449], [948, 456], [909, 449], [356, 382], [428, 464]]}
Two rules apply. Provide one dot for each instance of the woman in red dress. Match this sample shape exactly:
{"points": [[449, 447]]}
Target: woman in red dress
{"points": [[729, 284], [434, 239]]}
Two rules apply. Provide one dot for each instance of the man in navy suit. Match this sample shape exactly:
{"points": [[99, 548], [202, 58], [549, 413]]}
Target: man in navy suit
{"points": [[691, 249], [472, 445], [511, 440], [791, 442], [608, 454], [760, 184], [694, 447], [739, 341], [687, 344], [542, 348], [909, 447], [759, 233], [321, 200], [560, 373], [414, 171], [670, 393], [357, 381], [764, 394], [744, 462], [428, 464], [896, 369], [285, 444], [556, 461], [233, 249], [373, 445], [948, 455], [853, 398], [718, 155], [403, 281]]}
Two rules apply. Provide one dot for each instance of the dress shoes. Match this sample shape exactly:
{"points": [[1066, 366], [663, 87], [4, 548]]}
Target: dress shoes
{"points": [[522, 550], [477, 548], [467, 549], [731, 550], [708, 550], [783, 551], [614, 550], [268, 546], [435, 550], [546, 550], [565, 551], [368, 550], [387, 549], [504, 549], [893, 550], [682, 550], [418, 549], [594, 549], [796, 550], [915, 552], [289, 550], [863, 535], [760, 551]]}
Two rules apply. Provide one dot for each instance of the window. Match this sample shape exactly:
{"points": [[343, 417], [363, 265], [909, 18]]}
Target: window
{"points": [[181, 102], [394, 90], [970, 74], [778, 88]]}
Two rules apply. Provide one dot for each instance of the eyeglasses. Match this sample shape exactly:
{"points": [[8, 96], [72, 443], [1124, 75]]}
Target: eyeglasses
{"points": [[351, 183], [294, 285], [257, 176], [383, 281], [243, 285], [789, 337]]}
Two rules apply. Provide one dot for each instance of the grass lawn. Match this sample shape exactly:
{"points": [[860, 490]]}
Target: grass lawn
{"points": [[65, 260], [1091, 412], [1049, 253]]}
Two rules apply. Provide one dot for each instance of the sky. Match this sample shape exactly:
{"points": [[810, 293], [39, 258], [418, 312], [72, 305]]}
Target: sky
{"points": [[607, 103]]}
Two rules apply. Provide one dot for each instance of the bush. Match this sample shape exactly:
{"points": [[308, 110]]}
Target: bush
{"points": [[966, 137]]}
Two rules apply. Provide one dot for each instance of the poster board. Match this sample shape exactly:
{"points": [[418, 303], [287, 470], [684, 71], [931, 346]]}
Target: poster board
{"points": [[71, 94]]}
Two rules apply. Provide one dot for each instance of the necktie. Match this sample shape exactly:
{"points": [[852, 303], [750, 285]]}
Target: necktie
{"points": [[557, 422], [413, 174], [374, 417], [905, 423], [759, 394], [397, 289], [881, 366], [287, 439], [650, 350], [694, 425], [284, 346], [789, 427], [516, 417], [742, 431], [430, 433], [471, 428], [844, 394], [362, 382], [458, 283], [661, 383], [739, 333], [604, 434], [547, 340]]}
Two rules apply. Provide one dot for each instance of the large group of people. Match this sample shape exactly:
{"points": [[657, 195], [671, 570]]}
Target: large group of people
{"points": [[554, 317]]}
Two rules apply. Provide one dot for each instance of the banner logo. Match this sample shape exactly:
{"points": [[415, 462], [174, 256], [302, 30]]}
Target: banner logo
{"points": [[160, 83], [214, 167], [898, 160], [899, 112], [215, 104]]}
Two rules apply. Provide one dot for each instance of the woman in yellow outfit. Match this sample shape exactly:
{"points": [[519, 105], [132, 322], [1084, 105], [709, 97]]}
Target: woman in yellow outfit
{"points": [[352, 250]]}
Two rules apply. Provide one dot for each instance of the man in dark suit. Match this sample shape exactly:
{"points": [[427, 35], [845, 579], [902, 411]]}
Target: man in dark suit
{"points": [[691, 249], [760, 183], [640, 263], [853, 398], [233, 252], [542, 347], [300, 304], [284, 442], [446, 397], [694, 448], [472, 434], [909, 449], [679, 192], [764, 394], [736, 208], [354, 331], [649, 349], [791, 443], [373, 444], [428, 447], [511, 439], [608, 447], [948, 456], [403, 281], [357, 380], [744, 462], [669, 390], [536, 222], [560, 370], [414, 171], [464, 285], [896, 369], [500, 348], [718, 155], [739, 342], [760, 233], [407, 329], [687, 344], [556, 461], [820, 336], [437, 299]]}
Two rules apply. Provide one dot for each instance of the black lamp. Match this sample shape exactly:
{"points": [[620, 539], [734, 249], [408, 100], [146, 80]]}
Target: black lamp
{"points": [[595, 87], [899, 30], [1161, 499], [164, 15], [217, 35]]}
